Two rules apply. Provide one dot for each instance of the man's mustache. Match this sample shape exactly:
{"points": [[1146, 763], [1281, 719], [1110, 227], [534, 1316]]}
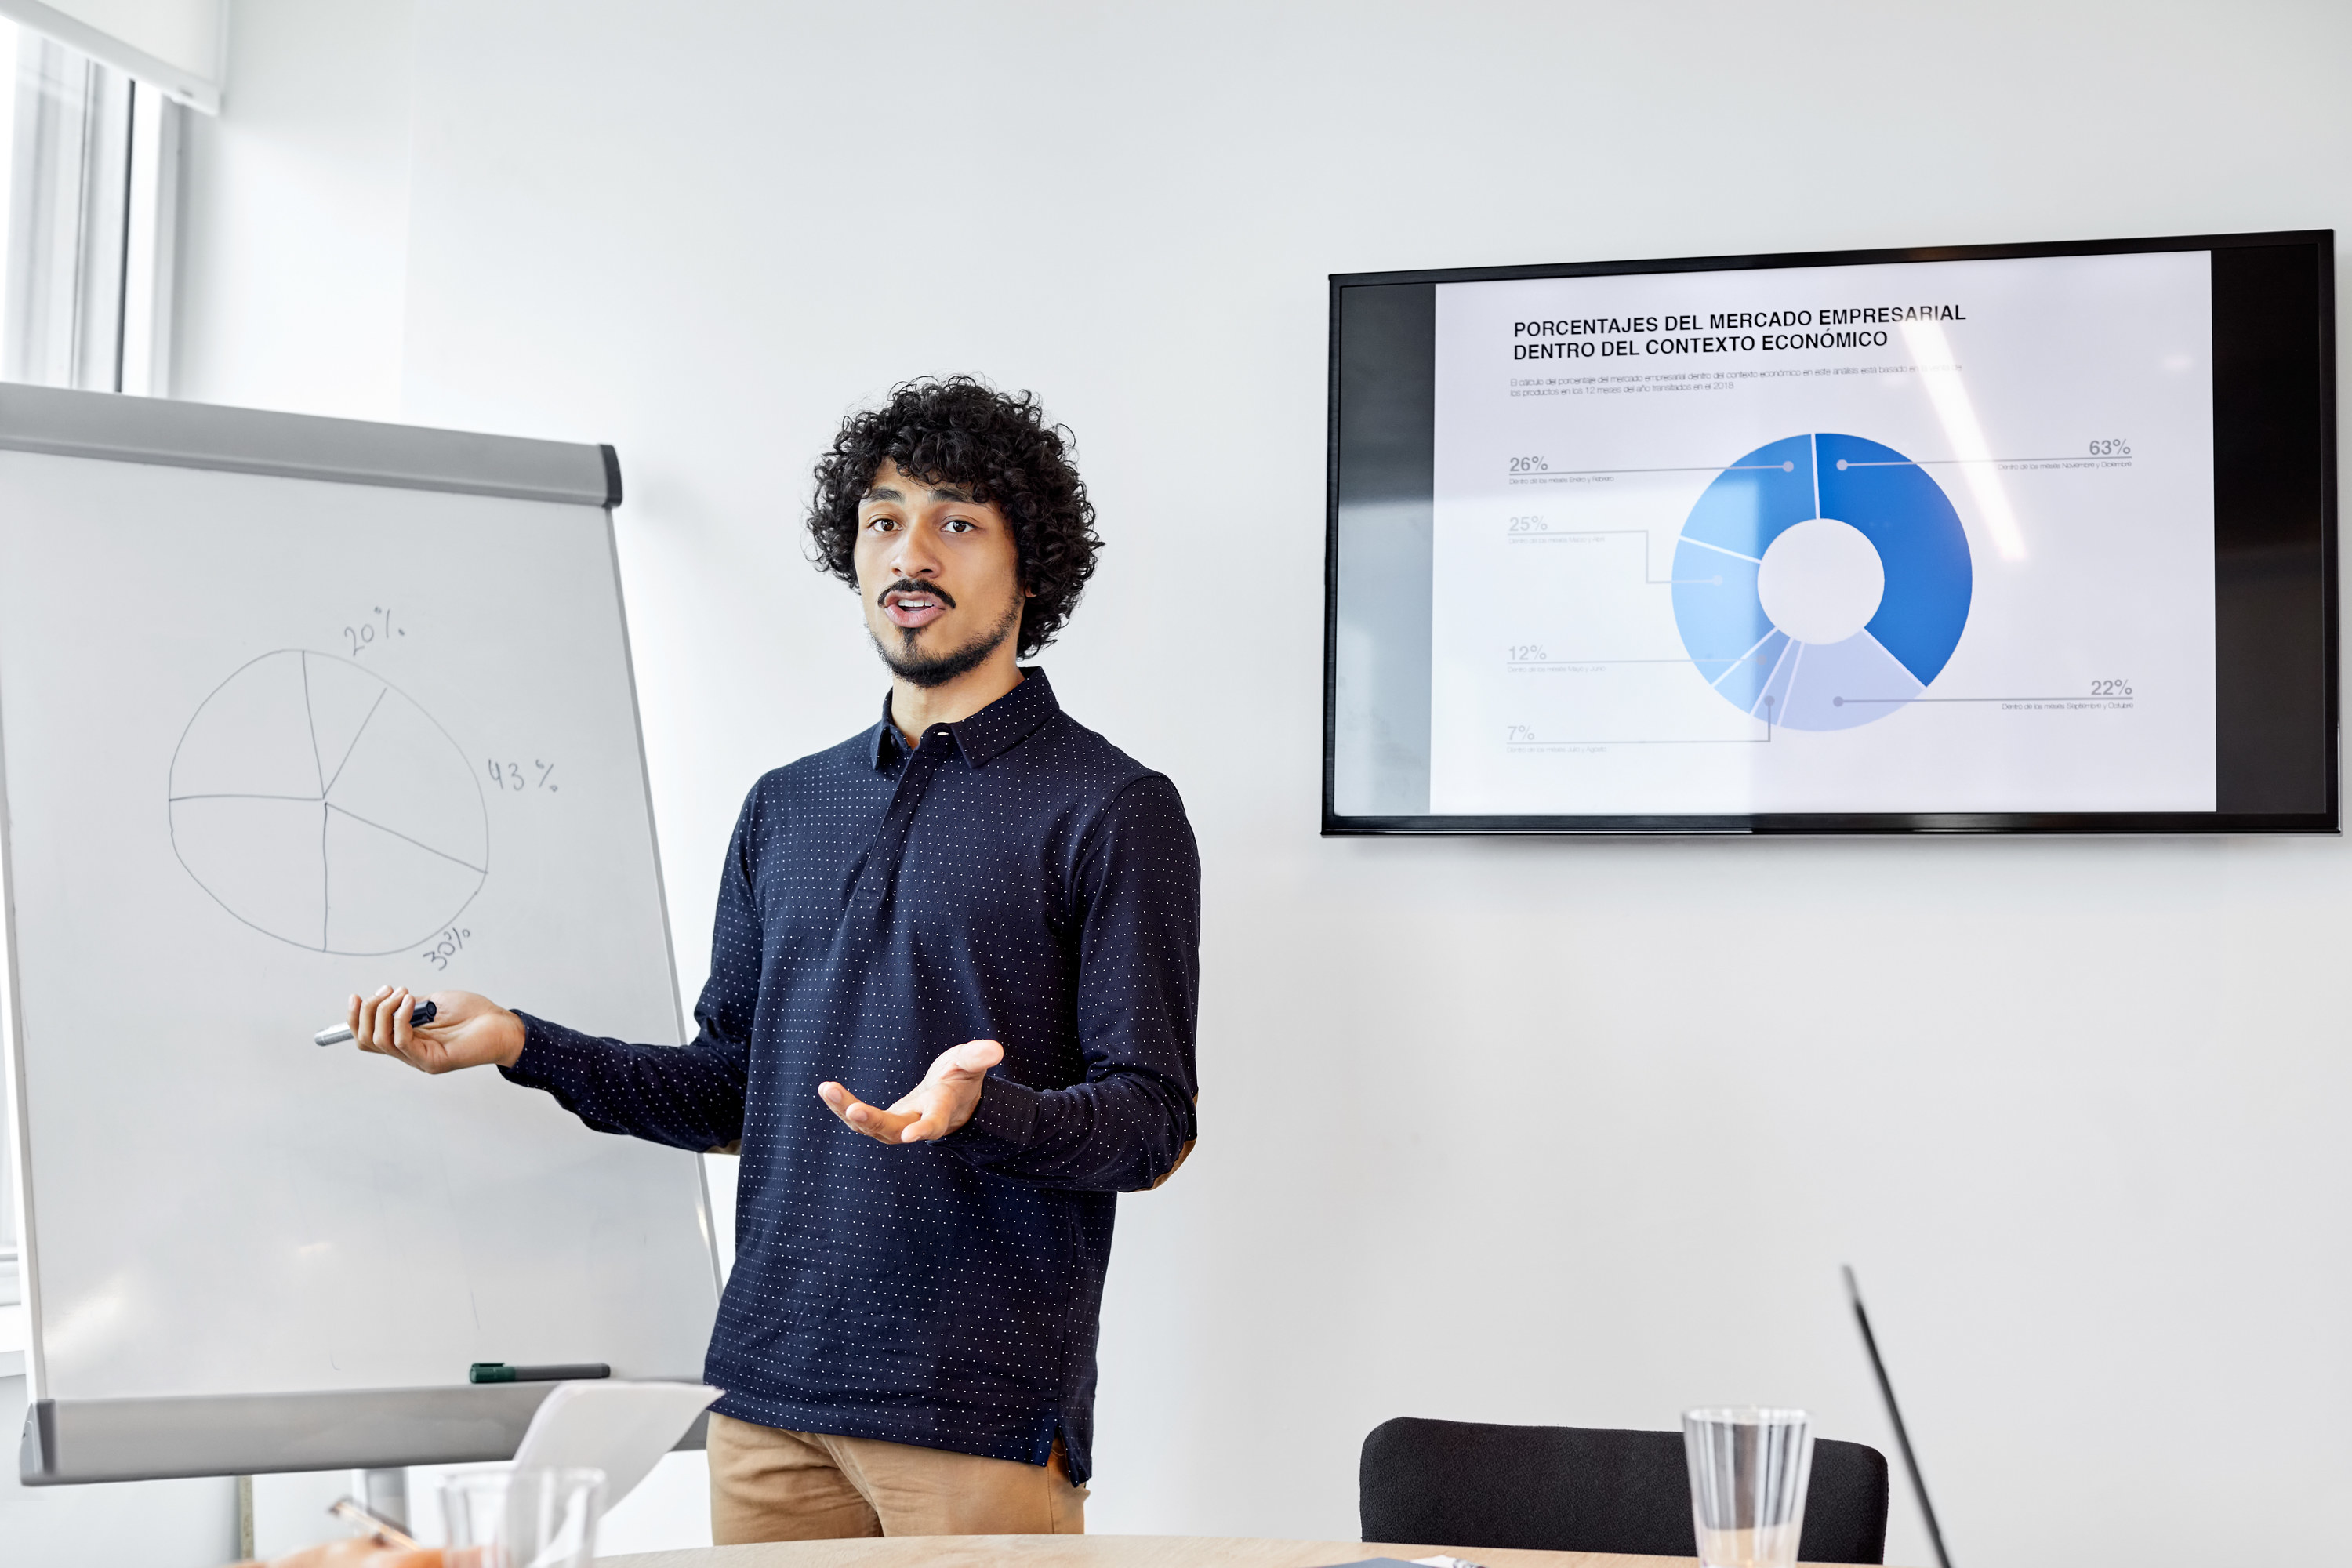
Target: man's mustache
{"points": [[909, 586]]}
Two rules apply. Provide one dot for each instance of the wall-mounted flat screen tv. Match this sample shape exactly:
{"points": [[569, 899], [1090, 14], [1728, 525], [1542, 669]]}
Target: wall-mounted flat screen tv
{"points": [[2022, 538]]}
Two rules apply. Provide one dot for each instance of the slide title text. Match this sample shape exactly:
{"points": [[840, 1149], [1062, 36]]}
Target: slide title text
{"points": [[1719, 332]]}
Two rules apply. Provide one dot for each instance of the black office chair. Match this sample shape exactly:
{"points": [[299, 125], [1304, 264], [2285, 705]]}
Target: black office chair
{"points": [[1571, 1488]]}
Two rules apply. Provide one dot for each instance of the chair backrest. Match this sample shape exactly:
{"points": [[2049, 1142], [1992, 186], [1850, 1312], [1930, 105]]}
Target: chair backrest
{"points": [[1573, 1489]]}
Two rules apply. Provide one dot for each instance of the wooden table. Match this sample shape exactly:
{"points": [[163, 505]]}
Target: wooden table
{"points": [[1103, 1552]]}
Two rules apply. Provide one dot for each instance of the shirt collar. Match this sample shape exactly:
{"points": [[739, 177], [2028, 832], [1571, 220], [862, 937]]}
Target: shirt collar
{"points": [[987, 735]]}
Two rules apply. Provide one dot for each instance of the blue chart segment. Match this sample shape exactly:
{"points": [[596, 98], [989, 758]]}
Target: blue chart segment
{"points": [[1760, 668]]}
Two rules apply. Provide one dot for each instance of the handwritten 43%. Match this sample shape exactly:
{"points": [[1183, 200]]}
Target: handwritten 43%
{"points": [[512, 776]]}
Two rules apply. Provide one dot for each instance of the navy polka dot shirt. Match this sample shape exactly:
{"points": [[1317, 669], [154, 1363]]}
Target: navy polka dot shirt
{"points": [[1017, 879]]}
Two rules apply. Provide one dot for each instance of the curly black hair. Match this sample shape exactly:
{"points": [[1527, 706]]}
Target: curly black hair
{"points": [[960, 430]]}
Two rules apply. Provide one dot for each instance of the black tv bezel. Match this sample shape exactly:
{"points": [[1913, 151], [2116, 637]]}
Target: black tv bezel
{"points": [[2329, 821]]}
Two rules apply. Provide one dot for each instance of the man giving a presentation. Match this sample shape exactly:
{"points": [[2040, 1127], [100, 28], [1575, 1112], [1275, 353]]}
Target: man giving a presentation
{"points": [[982, 915]]}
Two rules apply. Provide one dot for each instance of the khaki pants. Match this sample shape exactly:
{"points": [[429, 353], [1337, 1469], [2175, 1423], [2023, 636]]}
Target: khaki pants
{"points": [[773, 1485]]}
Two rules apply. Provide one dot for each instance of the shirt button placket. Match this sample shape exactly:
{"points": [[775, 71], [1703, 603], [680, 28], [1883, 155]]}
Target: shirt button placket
{"points": [[879, 879]]}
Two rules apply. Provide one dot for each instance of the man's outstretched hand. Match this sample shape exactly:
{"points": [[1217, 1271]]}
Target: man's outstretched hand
{"points": [[933, 1109]]}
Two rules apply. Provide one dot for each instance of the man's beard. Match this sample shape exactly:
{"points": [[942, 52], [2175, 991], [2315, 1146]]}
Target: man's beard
{"points": [[928, 670]]}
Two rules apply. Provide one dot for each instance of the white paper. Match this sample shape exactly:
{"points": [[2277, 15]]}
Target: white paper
{"points": [[620, 1429], [2052, 420]]}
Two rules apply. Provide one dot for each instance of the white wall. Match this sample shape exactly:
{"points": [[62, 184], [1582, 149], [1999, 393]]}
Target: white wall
{"points": [[1528, 1131], [293, 249]]}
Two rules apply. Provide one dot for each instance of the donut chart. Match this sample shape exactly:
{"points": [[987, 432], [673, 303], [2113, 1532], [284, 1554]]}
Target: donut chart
{"points": [[1912, 610]]}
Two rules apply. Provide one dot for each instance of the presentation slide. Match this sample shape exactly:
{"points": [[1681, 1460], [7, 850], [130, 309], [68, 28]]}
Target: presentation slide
{"points": [[1920, 537]]}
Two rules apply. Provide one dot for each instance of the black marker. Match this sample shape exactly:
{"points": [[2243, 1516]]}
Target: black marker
{"points": [[425, 1014], [499, 1372]]}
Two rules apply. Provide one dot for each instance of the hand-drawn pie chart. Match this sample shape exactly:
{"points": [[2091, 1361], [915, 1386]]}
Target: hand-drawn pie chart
{"points": [[320, 804]]}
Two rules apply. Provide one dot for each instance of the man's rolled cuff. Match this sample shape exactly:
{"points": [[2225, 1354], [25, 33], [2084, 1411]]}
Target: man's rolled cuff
{"points": [[1003, 1121]]}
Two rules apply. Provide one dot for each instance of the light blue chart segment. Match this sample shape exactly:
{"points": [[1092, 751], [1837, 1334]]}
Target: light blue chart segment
{"points": [[1895, 505]]}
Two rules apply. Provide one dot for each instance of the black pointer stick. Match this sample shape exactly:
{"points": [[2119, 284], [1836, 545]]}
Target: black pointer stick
{"points": [[1895, 1414]]}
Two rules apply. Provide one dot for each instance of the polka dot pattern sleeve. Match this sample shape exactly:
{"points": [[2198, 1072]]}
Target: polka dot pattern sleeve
{"points": [[690, 1096], [1126, 1127]]}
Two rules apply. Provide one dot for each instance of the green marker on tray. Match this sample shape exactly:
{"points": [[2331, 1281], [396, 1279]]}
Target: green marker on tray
{"points": [[568, 1372]]}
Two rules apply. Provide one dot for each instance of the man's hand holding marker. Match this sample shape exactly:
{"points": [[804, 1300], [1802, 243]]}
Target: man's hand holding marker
{"points": [[456, 1029]]}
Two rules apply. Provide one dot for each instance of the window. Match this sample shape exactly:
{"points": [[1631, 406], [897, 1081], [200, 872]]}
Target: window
{"points": [[89, 160]]}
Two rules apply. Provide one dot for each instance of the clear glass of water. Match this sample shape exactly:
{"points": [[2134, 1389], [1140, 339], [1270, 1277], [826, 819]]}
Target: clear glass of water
{"points": [[522, 1519], [1748, 1468]]}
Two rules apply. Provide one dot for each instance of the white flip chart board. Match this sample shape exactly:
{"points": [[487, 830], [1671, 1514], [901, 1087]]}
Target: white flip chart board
{"points": [[290, 708]]}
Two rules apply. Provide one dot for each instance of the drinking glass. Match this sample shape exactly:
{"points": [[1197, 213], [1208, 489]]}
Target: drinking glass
{"points": [[1748, 1468], [522, 1519]]}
